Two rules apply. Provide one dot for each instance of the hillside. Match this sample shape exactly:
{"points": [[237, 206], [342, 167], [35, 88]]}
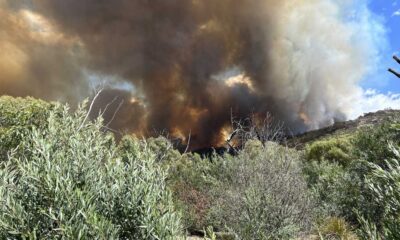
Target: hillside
{"points": [[341, 128]]}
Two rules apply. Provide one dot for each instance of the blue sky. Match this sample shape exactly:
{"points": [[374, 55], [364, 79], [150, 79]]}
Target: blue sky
{"points": [[389, 13]]}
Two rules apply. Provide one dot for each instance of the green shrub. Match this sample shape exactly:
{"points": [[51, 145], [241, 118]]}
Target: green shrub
{"points": [[263, 194], [370, 144], [166, 153], [370, 149], [363, 191], [326, 182], [192, 179], [384, 184], [17, 118], [332, 150], [76, 184], [258, 194]]}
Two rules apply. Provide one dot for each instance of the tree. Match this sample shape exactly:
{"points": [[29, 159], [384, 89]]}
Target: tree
{"points": [[393, 71]]}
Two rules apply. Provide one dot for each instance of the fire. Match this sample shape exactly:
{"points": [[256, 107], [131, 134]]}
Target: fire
{"points": [[137, 101], [177, 133], [196, 113], [224, 135], [303, 116], [134, 100], [240, 80]]}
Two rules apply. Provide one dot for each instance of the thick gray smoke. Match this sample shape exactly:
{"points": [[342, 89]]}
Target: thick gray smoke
{"points": [[183, 65]]}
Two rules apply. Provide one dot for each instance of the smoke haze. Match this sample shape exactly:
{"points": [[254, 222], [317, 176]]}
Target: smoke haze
{"points": [[184, 65]]}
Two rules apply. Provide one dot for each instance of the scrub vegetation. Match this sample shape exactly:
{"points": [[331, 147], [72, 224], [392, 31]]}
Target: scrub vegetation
{"points": [[63, 176]]}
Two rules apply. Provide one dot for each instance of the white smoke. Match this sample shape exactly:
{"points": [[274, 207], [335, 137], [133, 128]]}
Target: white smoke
{"points": [[322, 52]]}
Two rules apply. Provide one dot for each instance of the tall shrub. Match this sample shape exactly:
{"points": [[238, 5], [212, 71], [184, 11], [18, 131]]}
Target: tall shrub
{"points": [[384, 184], [17, 118], [263, 194], [72, 182]]}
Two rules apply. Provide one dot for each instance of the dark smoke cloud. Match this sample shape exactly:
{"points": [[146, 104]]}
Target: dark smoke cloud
{"points": [[190, 62], [37, 60], [111, 104]]}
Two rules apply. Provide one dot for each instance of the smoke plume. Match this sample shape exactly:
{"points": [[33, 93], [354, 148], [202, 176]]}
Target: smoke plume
{"points": [[184, 65]]}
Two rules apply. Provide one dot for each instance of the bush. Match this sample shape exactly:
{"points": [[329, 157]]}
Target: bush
{"points": [[263, 194], [76, 184], [370, 144], [384, 184], [342, 191], [189, 177], [258, 194], [370, 149], [326, 182], [192, 180], [166, 153], [17, 118], [336, 228], [332, 150], [363, 191]]}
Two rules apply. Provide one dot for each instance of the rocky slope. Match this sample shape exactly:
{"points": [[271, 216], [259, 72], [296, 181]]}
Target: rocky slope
{"points": [[346, 127]]}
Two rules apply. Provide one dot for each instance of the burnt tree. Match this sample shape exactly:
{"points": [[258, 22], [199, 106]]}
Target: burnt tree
{"points": [[393, 71]]}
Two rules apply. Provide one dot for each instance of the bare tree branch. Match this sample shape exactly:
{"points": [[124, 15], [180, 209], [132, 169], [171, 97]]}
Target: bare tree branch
{"points": [[112, 130], [188, 142], [90, 108], [396, 59], [253, 127], [102, 112], [393, 71], [115, 113]]}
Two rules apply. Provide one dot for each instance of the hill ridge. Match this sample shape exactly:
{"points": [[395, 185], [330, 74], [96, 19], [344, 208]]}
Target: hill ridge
{"points": [[368, 119]]}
